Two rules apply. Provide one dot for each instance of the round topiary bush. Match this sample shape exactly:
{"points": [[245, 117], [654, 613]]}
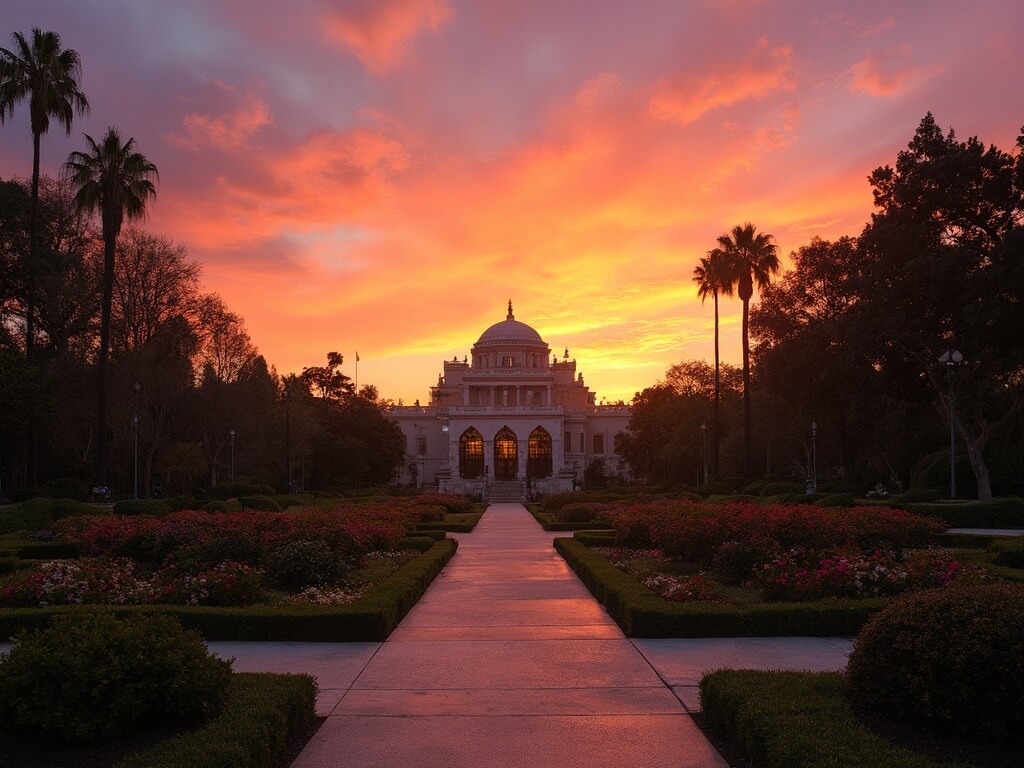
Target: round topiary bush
{"points": [[951, 657], [300, 564], [734, 562], [93, 677], [577, 513], [260, 503]]}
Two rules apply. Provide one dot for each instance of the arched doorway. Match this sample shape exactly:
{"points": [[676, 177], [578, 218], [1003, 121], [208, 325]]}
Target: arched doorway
{"points": [[471, 454], [539, 457], [506, 455]]}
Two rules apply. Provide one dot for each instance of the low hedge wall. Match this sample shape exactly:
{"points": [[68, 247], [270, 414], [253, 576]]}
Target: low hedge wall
{"points": [[789, 719], [641, 613], [549, 522], [263, 716], [463, 522], [998, 513], [370, 619]]}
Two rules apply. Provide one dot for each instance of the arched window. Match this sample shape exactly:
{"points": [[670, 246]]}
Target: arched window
{"points": [[539, 461], [506, 455], [471, 454]]}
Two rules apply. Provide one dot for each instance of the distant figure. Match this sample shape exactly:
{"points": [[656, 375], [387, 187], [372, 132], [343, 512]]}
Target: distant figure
{"points": [[879, 492]]}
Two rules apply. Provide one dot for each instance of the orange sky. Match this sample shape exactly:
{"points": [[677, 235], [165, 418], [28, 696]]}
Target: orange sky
{"points": [[383, 176]]}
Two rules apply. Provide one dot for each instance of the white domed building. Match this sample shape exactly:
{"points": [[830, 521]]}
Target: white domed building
{"points": [[508, 420]]}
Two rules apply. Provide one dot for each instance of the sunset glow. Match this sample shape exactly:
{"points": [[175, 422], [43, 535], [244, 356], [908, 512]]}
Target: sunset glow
{"points": [[384, 175]]}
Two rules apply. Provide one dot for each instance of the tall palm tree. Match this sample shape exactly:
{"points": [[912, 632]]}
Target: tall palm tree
{"points": [[712, 277], [753, 259], [115, 180], [48, 76]]}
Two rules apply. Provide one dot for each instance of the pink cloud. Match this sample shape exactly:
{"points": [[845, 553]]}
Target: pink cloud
{"points": [[685, 99], [879, 75], [228, 131], [379, 32]]}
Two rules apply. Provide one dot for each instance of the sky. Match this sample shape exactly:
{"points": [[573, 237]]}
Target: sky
{"points": [[383, 176]]}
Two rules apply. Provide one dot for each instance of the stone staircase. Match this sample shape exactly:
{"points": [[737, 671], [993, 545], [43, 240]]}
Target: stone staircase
{"points": [[506, 491]]}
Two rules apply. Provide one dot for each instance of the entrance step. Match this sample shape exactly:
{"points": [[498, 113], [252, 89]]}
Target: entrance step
{"points": [[506, 491]]}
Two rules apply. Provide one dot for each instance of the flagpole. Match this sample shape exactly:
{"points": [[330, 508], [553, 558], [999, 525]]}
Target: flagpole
{"points": [[357, 373]]}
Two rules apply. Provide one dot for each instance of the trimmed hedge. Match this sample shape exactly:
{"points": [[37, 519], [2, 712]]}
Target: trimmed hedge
{"points": [[549, 522], [998, 513], [30, 515], [370, 619], [154, 507], [1009, 552], [263, 715], [641, 613], [463, 522], [49, 550], [787, 719]]}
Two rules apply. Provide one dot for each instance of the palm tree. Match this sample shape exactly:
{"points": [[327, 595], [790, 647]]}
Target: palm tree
{"points": [[753, 258], [48, 77], [712, 277], [115, 180]]}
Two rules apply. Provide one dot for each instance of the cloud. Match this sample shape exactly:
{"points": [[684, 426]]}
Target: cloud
{"points": [[685, 99], [226, 132], [878, 74], [379, 32]]}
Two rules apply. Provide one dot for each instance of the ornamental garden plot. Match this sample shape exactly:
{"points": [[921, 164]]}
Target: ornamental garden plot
{"points": [[686, 569]]}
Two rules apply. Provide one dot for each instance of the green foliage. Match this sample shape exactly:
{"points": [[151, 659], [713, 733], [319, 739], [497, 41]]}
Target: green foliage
{"points": [[31, 515], [919, 495], [263, 503], [154, 507], [577, 513], [300, 564], [285, 500], [92, 676], [949, 657], [67, 488], [787, 719], [836, 500], [734, 562], [262, 715], [69, 508], [776, 489], [49, 550], [225, 491], [1009, 552], [998, 513], [217, 505]]}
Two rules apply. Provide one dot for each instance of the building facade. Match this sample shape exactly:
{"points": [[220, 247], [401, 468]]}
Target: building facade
{"points": [[508, 413]]}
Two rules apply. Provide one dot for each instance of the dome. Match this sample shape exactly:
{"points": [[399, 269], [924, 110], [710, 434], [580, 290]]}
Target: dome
{"points": [[510, 331]]}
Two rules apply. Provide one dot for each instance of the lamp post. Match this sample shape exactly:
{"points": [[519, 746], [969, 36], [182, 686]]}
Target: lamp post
{"points": [[135, 429], [951, 358], [232, 433], [703, 454]]}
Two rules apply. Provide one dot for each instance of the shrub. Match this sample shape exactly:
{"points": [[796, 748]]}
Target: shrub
{"points": [[580, 512], [76, 582], [154, 507], [918, 495], [952, 657], [836, 500], [69, 508], [429, 513], [997, 513], [226, 584], [775, 489], [91, 676], [735, 561], [1008, 553], [263, 503], [227, 491], [32, 515], [68, 488], [230, 505], [302, 564]]}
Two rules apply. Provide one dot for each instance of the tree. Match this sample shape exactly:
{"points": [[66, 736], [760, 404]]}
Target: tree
{"points": [[115, 180], [225, 346], [48, 76], [752, 258], [712, 277], [331, 383], [943, 265]]}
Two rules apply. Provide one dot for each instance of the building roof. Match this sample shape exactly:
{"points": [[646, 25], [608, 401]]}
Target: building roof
{"points": [[510, 331]]}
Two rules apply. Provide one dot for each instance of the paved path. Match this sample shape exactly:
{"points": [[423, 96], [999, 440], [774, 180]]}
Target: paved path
{"points": [[508, 660]]}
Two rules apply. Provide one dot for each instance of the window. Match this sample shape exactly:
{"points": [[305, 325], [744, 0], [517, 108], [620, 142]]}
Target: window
{"points": [[598, 443], [568, 442], [506, 362], [421, 445], [471, 454], [539, 459], [582, 448]]}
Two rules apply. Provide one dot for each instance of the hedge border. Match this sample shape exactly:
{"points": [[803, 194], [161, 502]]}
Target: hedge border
{"points": [[467, 526], [784, 719], [549, 522], [263, 715], [370, 619], [641, 613]]}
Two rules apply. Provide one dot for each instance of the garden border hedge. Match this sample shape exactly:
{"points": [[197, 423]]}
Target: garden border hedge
{"points": [[372, 618], [466, 525], [783, 719], [263, 715], [641, 613], [997, 513], [549, 522]]}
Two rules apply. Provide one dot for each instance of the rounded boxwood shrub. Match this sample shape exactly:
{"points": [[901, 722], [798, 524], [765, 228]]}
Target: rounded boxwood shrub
{"points": [[217, 505], [300, 564], [154, 507], [950, 657], [735, 561], [261, 503], [92, 676], [70, 508], [429, 513]]}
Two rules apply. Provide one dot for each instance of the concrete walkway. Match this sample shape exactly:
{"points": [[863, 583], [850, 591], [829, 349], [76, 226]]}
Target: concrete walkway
{"points": [[508, 660]]}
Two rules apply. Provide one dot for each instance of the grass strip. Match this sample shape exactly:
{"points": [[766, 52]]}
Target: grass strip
{"points": [[263, 715], [371, 618], [642, 613], [796, 720]]}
